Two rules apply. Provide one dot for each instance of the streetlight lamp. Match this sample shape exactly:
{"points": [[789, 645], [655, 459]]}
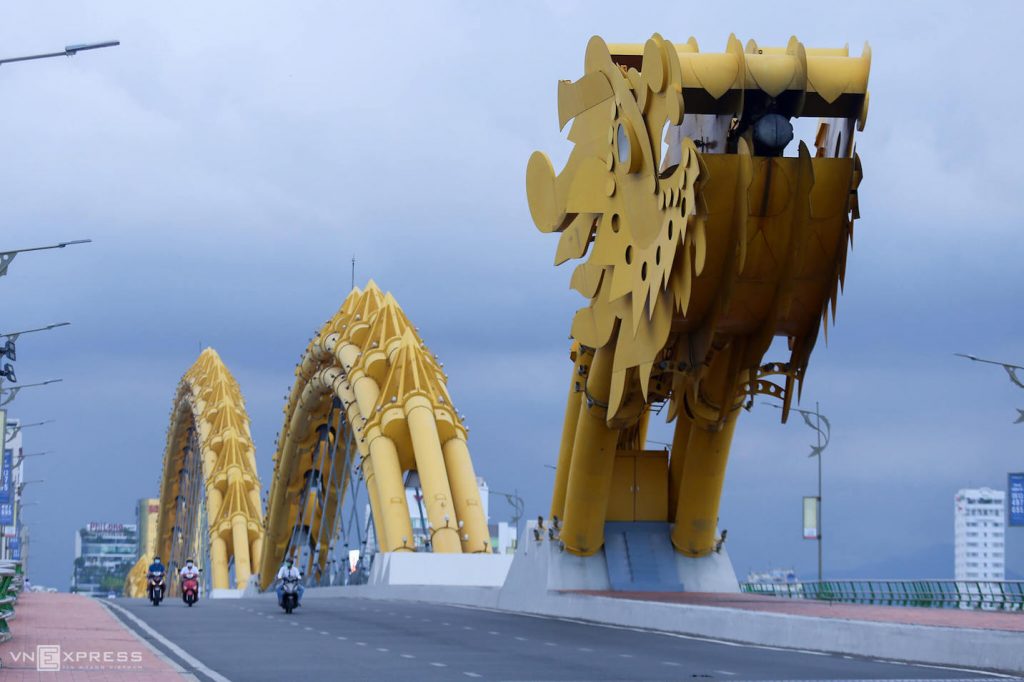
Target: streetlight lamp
{"points": [[12, 392], [15, 429], [32, 454], [1011, 371], [7, 256], [21, 486], [824, 435], [68, 51], [9, 350], [517, 504]]}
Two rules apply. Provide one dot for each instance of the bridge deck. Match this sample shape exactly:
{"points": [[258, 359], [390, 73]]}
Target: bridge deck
{"points": [[954, 618]]}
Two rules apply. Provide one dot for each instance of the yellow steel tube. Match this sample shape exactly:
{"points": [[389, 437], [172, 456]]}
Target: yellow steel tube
{"points": [[219, 562], [371, 489], [593, 458], [677, 458], [572, 417], [240, 543], [426, 446], [474, 534], [700, 491], [392, 508]]}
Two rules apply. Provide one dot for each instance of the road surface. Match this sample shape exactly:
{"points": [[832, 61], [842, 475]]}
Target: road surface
{"points": [[355, 639]]}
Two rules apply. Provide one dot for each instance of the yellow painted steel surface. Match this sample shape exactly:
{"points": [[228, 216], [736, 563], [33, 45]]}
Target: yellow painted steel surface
{"points": [[703, 240], [209, 413], [371, 360], [135, 581]]}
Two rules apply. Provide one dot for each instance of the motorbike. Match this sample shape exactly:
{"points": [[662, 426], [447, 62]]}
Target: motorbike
{"points": [[289, 594], [190, 590], [156, 587]]}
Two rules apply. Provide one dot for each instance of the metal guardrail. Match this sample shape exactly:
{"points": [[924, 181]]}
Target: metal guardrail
{"points": [[1004, 595], [11, 583]]}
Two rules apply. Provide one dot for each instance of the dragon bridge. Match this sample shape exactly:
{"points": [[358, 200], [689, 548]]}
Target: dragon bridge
{"points": [[209, 491], [369, 404], [706, 240]]}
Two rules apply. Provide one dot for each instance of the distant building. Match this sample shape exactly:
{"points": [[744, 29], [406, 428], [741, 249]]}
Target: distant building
{"points": [[104, 553], [774, 576], [145, 518], [980, 534]]}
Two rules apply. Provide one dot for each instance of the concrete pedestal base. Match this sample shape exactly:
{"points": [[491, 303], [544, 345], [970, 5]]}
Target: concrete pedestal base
{"points": [[422, 568]]}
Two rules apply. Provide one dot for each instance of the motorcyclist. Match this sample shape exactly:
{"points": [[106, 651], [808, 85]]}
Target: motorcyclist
{"points": [[156, 566], [189, 570], [288, 570]]}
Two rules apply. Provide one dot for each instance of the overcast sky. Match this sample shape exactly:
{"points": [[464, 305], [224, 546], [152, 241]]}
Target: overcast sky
{"points": [[230, 158]]}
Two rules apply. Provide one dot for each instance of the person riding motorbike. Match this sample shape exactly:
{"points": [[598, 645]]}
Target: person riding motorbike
{"points": [[189, 572], [156, 566], [155, 577], [288, 570]]}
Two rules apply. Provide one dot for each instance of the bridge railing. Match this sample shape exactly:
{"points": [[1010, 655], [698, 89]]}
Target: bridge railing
{"points": [[11, 583], [1001, 595]]}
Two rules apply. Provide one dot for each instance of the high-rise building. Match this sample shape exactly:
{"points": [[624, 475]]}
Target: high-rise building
{"points": [[104, 553], [980, 534], [146, 512]]}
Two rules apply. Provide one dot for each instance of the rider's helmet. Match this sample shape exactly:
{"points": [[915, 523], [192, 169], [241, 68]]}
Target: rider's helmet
{"points": [[188, 562], [290, 561], [156, 559]]}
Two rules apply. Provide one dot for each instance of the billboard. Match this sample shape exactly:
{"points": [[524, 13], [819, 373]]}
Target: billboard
{"points": [[1015, 496], [6, 513], [6, 482], [811, 529]]}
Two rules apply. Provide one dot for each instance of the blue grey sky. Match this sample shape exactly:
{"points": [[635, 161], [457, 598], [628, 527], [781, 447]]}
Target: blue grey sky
{"points": [[229, 158]]}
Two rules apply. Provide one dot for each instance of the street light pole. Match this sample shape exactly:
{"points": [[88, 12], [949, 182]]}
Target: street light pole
{"points": [[816, 450], [68, 51], [12, 392], [1011, 371], [7, 256]]}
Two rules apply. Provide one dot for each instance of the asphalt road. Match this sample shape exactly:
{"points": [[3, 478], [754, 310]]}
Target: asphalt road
{"points": [[250, 640]]}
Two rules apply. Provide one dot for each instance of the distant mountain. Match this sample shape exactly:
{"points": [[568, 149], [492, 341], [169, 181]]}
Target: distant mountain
{"points": [[934, 562]]}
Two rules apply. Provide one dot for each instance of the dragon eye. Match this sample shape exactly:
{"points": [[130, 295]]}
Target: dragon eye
{"points": [[622, 141], [629, 154]]}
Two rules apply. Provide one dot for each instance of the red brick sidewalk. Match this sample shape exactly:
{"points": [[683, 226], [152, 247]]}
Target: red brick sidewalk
{"points": [[93, 644], [952, 618]]}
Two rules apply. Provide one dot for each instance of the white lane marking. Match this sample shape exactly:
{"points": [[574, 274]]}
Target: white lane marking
{"points": [[583, 648], [625, 655], [324, 632], [308, 628], [407, 656], [439, 665], [295, 624], [270, 617], [962, 670], [467, 627], [445, 623], [493, 632], [469, 674], [425, 620], [178, 651], [724, 672], [159, 654], [382, 650], [407, 617], [550, 644], [360, 643], [342, 638], [521, 639], [672, 663]]}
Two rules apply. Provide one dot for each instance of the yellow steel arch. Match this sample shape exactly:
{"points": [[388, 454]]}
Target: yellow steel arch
{"points": [[369, 362], [210, 489], [705, 242]]}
